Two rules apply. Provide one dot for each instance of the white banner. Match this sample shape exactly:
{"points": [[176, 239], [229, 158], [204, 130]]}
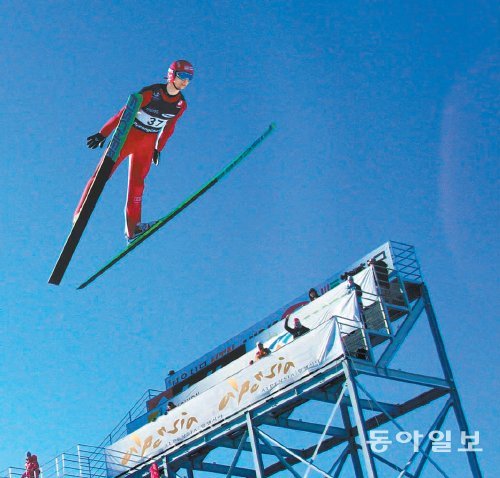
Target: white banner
{"points": [[333, 303]]}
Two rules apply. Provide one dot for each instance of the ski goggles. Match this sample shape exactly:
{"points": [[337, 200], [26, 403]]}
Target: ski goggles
{"points": [[184, 75]]}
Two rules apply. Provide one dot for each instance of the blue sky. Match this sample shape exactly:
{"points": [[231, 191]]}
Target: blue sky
{"points": [[387, 117]]}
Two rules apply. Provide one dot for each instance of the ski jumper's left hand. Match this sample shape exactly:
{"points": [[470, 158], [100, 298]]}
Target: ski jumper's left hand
{"points": [[156, 157]]}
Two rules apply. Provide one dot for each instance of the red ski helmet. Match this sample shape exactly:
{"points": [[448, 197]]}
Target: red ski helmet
{"points": [[180, 66]]}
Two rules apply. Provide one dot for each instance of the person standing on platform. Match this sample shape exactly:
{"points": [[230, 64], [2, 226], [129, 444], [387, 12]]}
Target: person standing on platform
{"points": [[313, 294], [298, 329], [31, 466], [261, 352], [352, 286]]}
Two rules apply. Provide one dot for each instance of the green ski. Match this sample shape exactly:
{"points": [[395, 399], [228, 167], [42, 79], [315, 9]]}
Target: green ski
{"points": [[164, 220], [110, 157]]}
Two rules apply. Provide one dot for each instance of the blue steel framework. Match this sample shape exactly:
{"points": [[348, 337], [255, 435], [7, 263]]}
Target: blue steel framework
{"points": [[402, 300]]}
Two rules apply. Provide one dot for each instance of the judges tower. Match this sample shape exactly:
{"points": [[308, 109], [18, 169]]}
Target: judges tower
{"points": [[329, 403]]}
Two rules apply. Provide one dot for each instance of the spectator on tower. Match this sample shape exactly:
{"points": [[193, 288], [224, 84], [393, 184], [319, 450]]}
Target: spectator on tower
{"points": [[381, 272], [352, 286], [170, 406], [260, 353], [298, 329], [313, 294], [154, 471], [31, 466]]}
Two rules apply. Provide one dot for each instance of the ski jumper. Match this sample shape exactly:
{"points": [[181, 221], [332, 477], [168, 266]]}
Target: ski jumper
{"points": [[153, 125]]}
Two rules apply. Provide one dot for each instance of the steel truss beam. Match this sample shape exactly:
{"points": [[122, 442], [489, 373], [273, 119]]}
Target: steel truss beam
{"points": [[327, 426], [196, 462], [245, 447], [426, 442], [339, 463], [237, 455], [365, 404], [367, 368], [393, 466], [224, 470], [302, 426], [400, 428], [370, 424], [296, 457], [279, 455]]}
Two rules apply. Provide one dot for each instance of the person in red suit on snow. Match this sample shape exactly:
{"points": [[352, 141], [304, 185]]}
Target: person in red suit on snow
{"points": [[31, 466], [162, 106]]}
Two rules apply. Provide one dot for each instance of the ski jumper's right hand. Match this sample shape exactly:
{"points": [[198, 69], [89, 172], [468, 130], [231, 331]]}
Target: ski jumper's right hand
{"points": [[96, 140]]}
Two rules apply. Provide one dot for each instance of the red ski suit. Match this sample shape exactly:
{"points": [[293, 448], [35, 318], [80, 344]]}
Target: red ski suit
{"points": [[32, 468], [153, 125]]}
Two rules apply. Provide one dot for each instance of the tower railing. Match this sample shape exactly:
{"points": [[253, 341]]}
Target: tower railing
{"points": [[82, 461], [138, 409]]}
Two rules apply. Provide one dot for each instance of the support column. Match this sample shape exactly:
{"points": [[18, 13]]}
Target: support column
{"points": [[254, 442], [360, 421], [445, 364], [352, 446]]}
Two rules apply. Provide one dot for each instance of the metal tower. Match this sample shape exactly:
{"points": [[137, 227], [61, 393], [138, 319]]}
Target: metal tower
{"points": [[333, 422]]}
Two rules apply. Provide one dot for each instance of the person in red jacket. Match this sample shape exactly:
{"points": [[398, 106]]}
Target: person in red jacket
{"points": [[31, 466], [162, 106]]}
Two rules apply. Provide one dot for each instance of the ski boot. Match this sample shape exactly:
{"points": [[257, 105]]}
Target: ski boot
{"points": [[140, 229]]}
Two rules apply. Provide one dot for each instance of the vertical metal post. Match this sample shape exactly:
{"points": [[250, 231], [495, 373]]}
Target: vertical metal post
{"points": [[89, 466], [360, 421], [353, 449], [257, 457], [166, 469], [79, 461], [445, 365]]}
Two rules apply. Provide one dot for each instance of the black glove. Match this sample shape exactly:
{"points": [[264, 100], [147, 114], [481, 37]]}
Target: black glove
{"points": [[96, 140], [156, 157]]}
